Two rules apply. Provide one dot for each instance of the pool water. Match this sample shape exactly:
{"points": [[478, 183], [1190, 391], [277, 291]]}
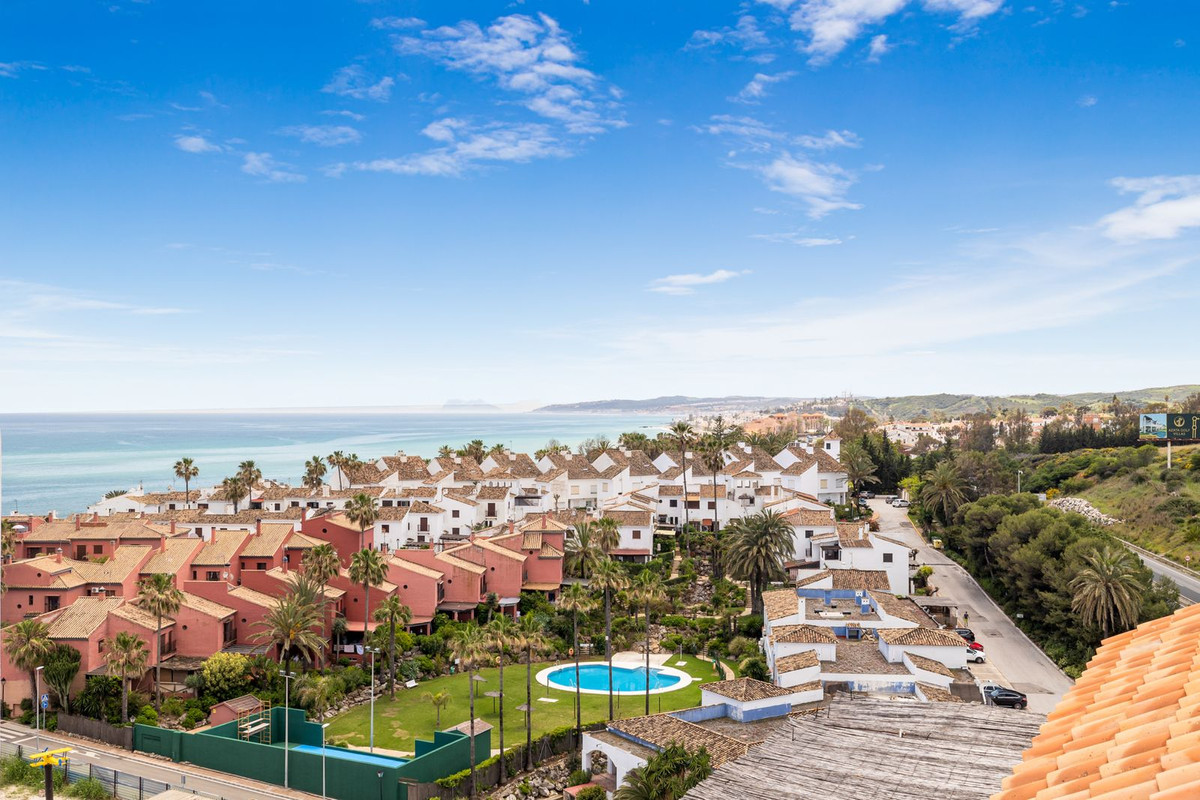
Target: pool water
{"points": [[594, 677], [350, 755]]}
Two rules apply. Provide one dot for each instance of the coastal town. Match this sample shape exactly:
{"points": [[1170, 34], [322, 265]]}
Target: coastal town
{"points": [[845, 615]]}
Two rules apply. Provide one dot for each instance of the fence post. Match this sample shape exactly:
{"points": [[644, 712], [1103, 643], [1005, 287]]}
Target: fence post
{"points": [[141, 786]]}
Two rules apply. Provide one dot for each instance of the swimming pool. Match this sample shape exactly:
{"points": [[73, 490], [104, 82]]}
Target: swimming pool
{"points": [[626, 679], [350, 755]]}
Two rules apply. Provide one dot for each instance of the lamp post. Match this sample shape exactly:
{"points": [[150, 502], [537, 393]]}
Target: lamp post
{"points": [[37, 704], [323, 727], [372, 651], [1019, 474], [287, 676], [379, 775]]}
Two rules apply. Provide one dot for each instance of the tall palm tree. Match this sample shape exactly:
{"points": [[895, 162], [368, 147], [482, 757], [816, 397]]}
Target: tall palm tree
{"points": [[583, 551], [158, 595], [289, 626], [234, 487], [368, 568], [944, 490], [531, 637], [469, 645], [322, 565], [501, 634], [392, 612], [445, 451], [250, 474], [608, 534], [475, 449], [1108, 592], [28, 643], [338, 460], [576, 600], [860, 469], [362, 512], [755, 551], [682, 434], [648, 590], [314, 472], [185, 470], [320, 692], [610, 578], [126, 657]]}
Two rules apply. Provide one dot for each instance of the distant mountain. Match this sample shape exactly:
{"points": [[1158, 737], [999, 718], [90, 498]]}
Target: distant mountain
{"points": [[672, 404]]}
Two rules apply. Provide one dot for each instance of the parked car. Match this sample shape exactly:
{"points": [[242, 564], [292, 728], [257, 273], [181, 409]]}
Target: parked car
{"points": [[976, 654], [1007, 697], [966, 633], [901, 503], [866, 495]]}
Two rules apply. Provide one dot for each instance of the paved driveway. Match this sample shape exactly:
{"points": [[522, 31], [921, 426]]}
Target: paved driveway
{"points": [[1013, 659]]}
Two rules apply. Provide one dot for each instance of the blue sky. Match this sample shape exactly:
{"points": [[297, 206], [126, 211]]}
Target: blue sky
{"points": [[217, 205]]}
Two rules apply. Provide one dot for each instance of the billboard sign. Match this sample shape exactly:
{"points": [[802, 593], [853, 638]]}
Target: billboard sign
{"points": [[1176, 427]]}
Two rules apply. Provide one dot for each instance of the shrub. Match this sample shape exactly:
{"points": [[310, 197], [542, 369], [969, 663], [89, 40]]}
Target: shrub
{"points": [[578, 777], [750, 626], [741, 646], [16, 770], [592, 793], [173, 707], [194, 717], [354, 678], [674, 621], [147, 716], [89, 789], [225, 675]]}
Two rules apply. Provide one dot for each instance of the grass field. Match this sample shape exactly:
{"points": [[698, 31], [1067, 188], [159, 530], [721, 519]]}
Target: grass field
{"points": [[398, 722]]}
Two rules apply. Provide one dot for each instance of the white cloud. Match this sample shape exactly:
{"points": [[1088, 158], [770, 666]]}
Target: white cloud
{"points": [[686, 283], [822, 186], [1087, 101], [323, 135], [354, 81], [796, 238], [38, 299], [830, 140], [10, 69], [745, 34], [879, 47], [262, 165], [756, 89], [465, 147], [191, 143], [1166, 206], [533, 58], [344, 113], [396, 23]]}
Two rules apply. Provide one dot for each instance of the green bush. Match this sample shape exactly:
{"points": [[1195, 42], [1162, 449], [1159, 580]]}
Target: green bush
{"points": [[147, 716], [579, 777], [89, 789], [592, 793], [14, 770], [675, 621], [173, 707], [750, 626], [193, 718]]}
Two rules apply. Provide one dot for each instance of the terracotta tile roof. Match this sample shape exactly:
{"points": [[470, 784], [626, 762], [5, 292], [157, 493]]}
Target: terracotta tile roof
{"points": [[80, 619], [219, 551], [205, 606], [134, 614], [519, 465], [577, 467], [412, 566], [929, 664], [421, 507], [800, 517], [780, 603], [1129, 727], [454, 561], [459, 496], [163, 498], [125, 559], [670, 490], [905, 545], [623, 518], [291, 576], [365, 474], [543, 522], [802, 634], [936, 694], [300, 541], [56, 575], [549, 551], [902, 607], [419, 491], [864, 658], [827, 463], [920, 637], [850, 579], [385, 586], [390, 513], [797, 661], [662, 730], [267, 543], [253, 597], [407, 468], [849, 534], [746, 689], [173, 559], [64, 530], [806, 462], [465, 468], [492, 493], [671, 473]]}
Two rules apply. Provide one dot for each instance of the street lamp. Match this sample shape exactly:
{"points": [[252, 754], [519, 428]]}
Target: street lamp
{"points": [[379, 775], [287, 676], [323, 727], [1020, 472], [372, 651], [37, 704]]}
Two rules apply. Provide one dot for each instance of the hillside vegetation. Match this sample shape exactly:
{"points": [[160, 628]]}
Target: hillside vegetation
{"points": [[955, 405]]}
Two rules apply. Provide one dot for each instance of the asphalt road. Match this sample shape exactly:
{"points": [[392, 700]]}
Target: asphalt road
{"points": [[1187, 580], [182, 776], [1013, 659]]}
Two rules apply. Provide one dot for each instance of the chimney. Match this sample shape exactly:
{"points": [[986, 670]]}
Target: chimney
{"points": [[303, 514], [544, 526], [51, 517], [512, 526], [58, 555], [95, 516], [285, 564], [163, 542], [172, 527], [76, 522], [258, 527]]}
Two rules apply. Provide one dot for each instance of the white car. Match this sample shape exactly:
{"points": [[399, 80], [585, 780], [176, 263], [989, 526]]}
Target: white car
{"points": [[978, 656], [900, 503]]}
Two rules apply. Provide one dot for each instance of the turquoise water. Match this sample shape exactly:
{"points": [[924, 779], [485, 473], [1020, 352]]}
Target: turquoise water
{"points": [[65, 462], [625, 679], [350, 755]]}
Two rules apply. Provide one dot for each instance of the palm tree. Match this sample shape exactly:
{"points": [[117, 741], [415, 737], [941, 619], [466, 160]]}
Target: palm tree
{"points": [[440, 700], [445, 451], [582, 550], [576, 600], [250, 474], [234, 487], [469, 646], [501, 634], [28, 643], [607, 534], [314, 471], [361, 511], [392, 613], [756, 549], [320, 692], [475, 449], [531, 637], [1108, 592], [289, 625], [157, 595], [338, 459], [945, 490], [185, 470], [127, 656], [368, 568], [648, 590], [610, 578], [683, 435], [322, 565], [860, 469], [667, 775]]}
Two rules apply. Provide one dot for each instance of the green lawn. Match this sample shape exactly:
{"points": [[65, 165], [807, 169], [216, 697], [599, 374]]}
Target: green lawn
{"points": [[398, 722]]}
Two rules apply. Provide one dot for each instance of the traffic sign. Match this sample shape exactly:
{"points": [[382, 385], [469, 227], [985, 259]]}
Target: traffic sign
{"points": [[45, 701]]}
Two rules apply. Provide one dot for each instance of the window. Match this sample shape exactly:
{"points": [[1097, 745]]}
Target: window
{"points": [[824, 483], [453, 531], [637, 534], [674, 504], [575, 490], [261, 565], [386, 528], [454, 513], [491, 509], [887, 558], [97, 549], [712, 504], [808, 534], [833, 554], [212, 575], [52, 603]]}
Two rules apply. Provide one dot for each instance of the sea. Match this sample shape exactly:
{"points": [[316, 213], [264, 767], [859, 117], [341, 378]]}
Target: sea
{"points": [[66, 462]]}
